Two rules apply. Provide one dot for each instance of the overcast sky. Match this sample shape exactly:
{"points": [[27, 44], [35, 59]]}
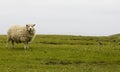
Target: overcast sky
{"points": [[73, 17]]}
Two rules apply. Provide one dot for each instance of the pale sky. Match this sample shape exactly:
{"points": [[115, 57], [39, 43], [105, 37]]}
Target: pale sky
{"points": [[71, 17]]}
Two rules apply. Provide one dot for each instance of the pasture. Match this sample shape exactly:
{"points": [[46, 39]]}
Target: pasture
{"points": [[62, 53]]}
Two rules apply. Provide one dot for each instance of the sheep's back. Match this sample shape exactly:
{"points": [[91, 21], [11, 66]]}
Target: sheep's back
{"points": [[15, 32]]}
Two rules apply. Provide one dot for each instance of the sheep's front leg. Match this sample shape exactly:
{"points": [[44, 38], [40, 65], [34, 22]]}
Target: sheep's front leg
{"points": [[26, 45]]}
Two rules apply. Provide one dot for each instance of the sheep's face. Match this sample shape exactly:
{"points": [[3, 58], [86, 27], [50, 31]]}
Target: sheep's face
{"points": [[30, 27]]}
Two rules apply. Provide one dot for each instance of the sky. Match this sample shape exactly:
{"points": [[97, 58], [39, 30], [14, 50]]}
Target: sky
{"points": [[67, 17]]}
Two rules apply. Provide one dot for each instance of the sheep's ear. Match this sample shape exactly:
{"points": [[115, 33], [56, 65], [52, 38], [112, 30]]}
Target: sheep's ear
{"points": [[26, 25], [34, 24]]}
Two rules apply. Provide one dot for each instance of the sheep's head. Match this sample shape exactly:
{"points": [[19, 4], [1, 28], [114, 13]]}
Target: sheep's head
{"points": [[30, 28]]}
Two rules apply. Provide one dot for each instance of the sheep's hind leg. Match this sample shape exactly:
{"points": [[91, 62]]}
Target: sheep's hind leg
{"points": [[8, 40]]}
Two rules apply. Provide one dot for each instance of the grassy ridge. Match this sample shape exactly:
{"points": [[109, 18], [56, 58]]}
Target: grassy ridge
{"points": [[55, 53]]}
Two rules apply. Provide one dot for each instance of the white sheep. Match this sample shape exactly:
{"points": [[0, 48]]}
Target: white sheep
{"points": [[21, 34]]}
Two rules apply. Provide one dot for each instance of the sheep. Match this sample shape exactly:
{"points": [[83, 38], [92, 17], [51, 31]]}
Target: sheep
{"points": [[21, 34]]}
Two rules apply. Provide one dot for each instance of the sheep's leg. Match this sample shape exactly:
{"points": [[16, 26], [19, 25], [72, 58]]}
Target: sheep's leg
{"points": [[7, 44], [25, 45], [12, 44], [8, 40]]}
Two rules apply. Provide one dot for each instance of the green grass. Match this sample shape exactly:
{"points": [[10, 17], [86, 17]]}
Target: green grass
{"points": [[56, 53]]}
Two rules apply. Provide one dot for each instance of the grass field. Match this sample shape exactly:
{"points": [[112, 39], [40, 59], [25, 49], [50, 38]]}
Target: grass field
{"points": [[62, 53]]}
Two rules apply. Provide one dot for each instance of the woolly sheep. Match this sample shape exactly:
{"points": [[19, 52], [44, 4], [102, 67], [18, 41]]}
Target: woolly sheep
{"points": [[21, 34]]}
